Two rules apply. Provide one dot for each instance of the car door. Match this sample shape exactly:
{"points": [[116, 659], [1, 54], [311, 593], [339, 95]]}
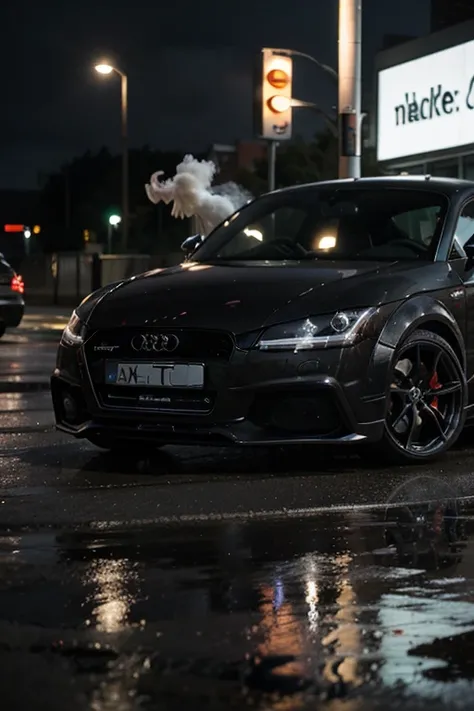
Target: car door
{"points": [[463, 232]]}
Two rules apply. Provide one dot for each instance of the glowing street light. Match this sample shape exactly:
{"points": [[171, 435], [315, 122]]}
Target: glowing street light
{"points": [[105, 68], [115, 220]]}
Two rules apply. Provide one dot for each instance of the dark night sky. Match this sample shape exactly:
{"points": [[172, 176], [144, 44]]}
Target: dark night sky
{"points": [[189, 67]]}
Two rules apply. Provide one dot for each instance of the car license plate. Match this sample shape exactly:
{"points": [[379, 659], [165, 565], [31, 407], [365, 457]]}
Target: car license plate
{"points": [[155, 375]]}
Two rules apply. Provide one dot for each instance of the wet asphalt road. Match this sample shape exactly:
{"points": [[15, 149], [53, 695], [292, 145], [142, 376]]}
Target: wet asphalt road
{"points": [[188, 577]]}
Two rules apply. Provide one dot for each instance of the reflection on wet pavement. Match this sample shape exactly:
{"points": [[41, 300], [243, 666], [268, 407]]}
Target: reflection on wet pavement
{"points": [[356, 607]]}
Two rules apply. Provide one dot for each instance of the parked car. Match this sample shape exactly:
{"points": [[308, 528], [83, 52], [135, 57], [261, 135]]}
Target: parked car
{"points": [[12, 304], [339, 312]]}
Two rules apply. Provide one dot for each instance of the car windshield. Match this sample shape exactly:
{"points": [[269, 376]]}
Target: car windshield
{"points": [[331, 223]]}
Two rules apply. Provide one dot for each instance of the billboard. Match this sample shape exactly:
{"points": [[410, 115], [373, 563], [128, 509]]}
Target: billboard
{"points": [[426, 104]]}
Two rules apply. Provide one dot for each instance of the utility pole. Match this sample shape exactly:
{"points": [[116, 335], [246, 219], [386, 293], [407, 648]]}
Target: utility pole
{"points": [[350, 89]]}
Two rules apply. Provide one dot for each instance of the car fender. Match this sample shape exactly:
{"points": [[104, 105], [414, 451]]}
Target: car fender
{"points": [[408, 317]]}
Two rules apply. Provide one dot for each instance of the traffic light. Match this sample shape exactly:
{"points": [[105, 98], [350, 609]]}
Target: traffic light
{"points": [[273, 108]]}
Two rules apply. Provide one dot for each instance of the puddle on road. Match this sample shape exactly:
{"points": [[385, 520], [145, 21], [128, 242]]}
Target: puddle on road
{"points": [[350, 604]]}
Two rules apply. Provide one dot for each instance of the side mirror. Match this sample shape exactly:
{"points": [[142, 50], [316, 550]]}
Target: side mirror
{"points": [[190, 244]]}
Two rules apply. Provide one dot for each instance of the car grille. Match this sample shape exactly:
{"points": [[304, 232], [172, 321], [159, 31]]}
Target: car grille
{"points": [[194, 346]]}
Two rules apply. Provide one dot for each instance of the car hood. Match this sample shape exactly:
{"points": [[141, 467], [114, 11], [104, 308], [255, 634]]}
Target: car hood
{"points": [[245, 297]]}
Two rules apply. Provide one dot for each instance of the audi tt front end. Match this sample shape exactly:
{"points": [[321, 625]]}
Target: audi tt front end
{"points": [[208, 385]]}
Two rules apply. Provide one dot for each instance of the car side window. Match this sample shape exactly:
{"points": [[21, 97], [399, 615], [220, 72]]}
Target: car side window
{"points": [[464, 228], [418, 225]]}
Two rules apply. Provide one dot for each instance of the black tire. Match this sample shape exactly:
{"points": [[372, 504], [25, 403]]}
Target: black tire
{"points": [[429, 403], [123, 446], [2, 330]]}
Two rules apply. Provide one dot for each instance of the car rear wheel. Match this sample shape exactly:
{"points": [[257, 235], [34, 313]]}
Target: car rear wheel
{"points": [[2, 330], [426, 400]]}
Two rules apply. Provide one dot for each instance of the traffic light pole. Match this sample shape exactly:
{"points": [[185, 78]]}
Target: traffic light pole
{"points": [[272, 148], [348, 77], [349, 100]]}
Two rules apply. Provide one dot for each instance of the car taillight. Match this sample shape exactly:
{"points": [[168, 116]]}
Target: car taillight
{"points": [[18, 285]]}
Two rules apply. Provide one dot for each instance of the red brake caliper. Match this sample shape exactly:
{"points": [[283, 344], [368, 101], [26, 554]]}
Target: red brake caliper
{"points": [[435, 385]]}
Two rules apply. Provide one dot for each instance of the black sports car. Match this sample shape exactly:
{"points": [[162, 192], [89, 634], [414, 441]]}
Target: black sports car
{"points": [[339, 312]]}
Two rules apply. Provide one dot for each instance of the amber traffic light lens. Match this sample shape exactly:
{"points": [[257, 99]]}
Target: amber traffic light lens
{"points": [[278, 78]]}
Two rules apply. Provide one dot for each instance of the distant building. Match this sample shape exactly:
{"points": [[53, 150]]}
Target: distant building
{"points": [[445, 13], [230, 159]]}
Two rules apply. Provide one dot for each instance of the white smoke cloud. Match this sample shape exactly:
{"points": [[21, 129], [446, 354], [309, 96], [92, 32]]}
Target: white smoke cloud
{"points": [[192, 193]]}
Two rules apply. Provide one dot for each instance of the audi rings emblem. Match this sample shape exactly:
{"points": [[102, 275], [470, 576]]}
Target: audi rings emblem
{"points": [[155, 343]]}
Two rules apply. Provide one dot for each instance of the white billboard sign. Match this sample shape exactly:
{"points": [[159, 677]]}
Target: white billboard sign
{"points": [[426, 104]]}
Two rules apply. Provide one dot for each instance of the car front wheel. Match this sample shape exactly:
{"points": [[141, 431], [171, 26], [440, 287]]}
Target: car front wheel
{"points": [[426, 400]]}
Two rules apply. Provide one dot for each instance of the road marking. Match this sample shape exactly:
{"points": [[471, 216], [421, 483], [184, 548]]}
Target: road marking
{"points": [[260, 515]]}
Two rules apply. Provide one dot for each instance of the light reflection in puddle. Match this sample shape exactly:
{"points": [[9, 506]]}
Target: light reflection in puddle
{"points": [[112, 598]]}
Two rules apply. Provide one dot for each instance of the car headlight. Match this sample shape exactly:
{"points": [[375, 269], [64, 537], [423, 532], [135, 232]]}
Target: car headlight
{"points": [[338, 329], [73, 334]]}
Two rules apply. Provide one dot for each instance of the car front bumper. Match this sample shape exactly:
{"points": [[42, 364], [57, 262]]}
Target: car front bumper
{"points": [[256, 398]]}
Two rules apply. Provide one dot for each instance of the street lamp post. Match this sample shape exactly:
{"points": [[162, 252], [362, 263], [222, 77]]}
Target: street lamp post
{"points": [[106, 68]]}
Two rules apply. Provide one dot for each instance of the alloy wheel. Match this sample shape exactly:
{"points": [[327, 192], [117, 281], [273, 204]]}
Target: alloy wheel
{"points": [[426, 399]]}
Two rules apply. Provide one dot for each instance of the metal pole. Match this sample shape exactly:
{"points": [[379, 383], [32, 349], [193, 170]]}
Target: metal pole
{"points": [[272, 146], [125, 211], [349, 104]]}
